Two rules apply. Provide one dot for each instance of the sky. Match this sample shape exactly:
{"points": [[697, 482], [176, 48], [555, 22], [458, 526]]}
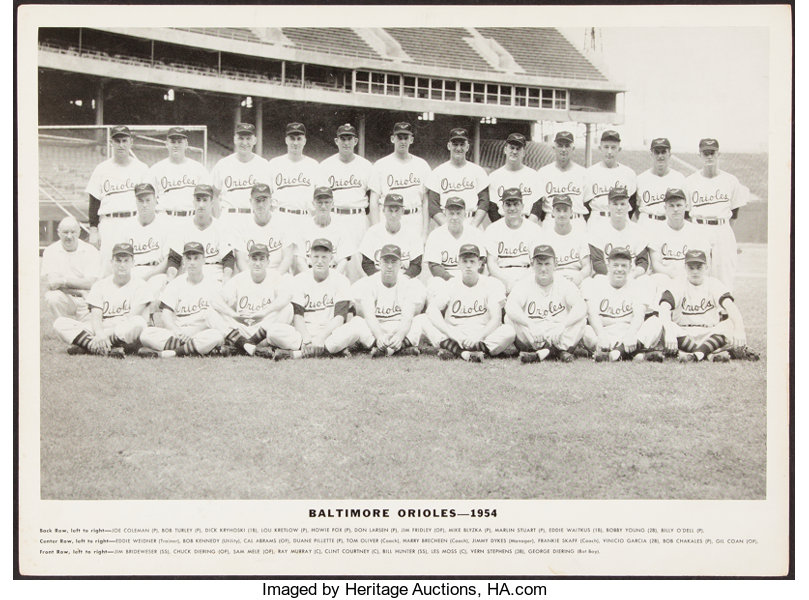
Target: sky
{"points": [[689, 83]]}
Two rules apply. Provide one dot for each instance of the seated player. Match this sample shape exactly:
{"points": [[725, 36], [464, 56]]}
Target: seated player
{"points": [[322, 226], [689, 311], [117, 305], [616, 307], [568, 243], [261, 228], [548, 313], [390, 231], [465, 318], [190, 324], [256, 308]]}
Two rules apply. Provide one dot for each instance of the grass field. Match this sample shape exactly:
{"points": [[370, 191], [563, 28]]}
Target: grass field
{"points": [[417, 428]]}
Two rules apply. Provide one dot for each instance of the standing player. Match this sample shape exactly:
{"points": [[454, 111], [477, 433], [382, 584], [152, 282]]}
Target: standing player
{"points": [[465, 318], [235, 175], [673, 240], [461, 178], [716, 197], [190, 324], [605, 175], [513, 174], [111, 189], [117, 304], [262, 229], [652, 186], [174, 178], [570, 246], [548, 314], [562, 176], [404, 174], [322, 226], [618, 232], [509, 241], [293, 178], [390, 231]]}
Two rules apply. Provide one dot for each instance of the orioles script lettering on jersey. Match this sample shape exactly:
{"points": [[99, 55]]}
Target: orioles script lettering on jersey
{"points": [[147, 246], [192, 309], [504, 252], [388, 312], [648, 198], [536, 312], [117, 311], [272, 244], [602, 190], [609, 248], [232, 184], [670, 253], [312, 305], [705, 304], [399, 184], [459, 186], [245, 304], [110, 188], [344, 184], [477, 309], [622, 310], [718, 196], [448, 259], [211, 250], [299, 180], [524, 189], [177, 184], [567, 259], [553, 190]]}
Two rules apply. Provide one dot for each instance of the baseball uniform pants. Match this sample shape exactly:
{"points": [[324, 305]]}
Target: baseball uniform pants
{"points": [[127, 329], [278, 329], [570, 335], [66, 305], [205, 334], [496, 342], [649, 335], [367, 338], [724, 258], [698, 334], [341, 338]]}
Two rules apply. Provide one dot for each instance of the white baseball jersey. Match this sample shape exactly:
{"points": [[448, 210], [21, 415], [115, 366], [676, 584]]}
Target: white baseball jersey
{"points": [[524, 178], [550, 304], [114, 185], [512, 248], [246, 234], [293, 182], [599, 180], [317, 299], [696, 305], [390, 175], [150, 242], [604, 238], [571, 249], [216, 239], [174, 183], [377, 236], [348, 181], [465, 182], [715, 197], [469, 307], [249, 298], [235, 179], [84, 262], [116, 301], [615, 305], [189, 301], [442, 247], [552, 182], [388, 301], [332, 232], [652, 190], [670, 245]]}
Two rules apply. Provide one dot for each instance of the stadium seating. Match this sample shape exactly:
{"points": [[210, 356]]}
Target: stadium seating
{"points": [[333, 40], [439, 46]]}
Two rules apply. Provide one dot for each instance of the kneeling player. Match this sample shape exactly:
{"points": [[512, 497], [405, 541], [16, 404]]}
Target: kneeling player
{"points": [[117, 305], [548, 315], [465, 318], [616, 309], [689, 311]]}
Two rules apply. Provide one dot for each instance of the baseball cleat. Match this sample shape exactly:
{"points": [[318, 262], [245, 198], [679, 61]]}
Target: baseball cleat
{"points": [[74, 350], [528, 357], [565, 356], [409, 351], [428, 350], [377, 352], [744, 354], [227, 350], [654, 356], [474, 357], [116, 353], [282, 354], [580, 351], [445, 354], [149, 353], [264, 352], [600, 356], [685, 357], [250, 349], [722, 357]]}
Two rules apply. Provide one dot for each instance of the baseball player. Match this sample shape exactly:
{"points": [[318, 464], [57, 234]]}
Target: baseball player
{"points": [[509, 241], [513, 174], [652, 186], [404, 174], [715, 198], [673, 239], [321, 225], [262, 229], [210, 233], [461, 178], [348, 176], [616, 307], [605, 175], [562, 176], [174, 178], [465, 318], [390, 231], [618, 232], [70, 267], [689, 311], [111, 189], [191, 326], [570, 246], [117, 305], [256, 308], [321, 300], [235, 175], [548, 313], [293, 178]]}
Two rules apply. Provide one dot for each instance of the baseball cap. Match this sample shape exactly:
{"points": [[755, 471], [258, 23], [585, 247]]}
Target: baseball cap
{"points": [[123, 248], [708, 144], [347, 129], [610, 136], [455, 202], [322, 243], [120, 130], [620, 253], [674, 194], [144, 188], [390, 250], [260, 190], [393, 200], [245, 128], [403, 127], [259, 249], [323, 191], [193, 248], [469, 249], [517, 139], [562, 199], [513, 193], [203, 189], [564, 137], [617, 193], [295, 129], [177, 132], [543, 250], [661, 143], [696, 256], [459, 133]]}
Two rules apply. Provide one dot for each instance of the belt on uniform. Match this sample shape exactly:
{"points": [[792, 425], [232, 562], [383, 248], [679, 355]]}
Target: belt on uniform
{"points": [[702, 221], [657, 217], [119, 215], [410, 211], [348, 211], [601, 213], [179, 213], [241, 211], [292, 211], [149, 264]]}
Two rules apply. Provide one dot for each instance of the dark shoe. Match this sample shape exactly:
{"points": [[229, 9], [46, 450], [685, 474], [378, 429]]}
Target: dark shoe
{"points": [[264, 352], [228, 350], [528, 357], [654, 356], [445, 354], [565, 356], [149, 353], [74, 350], [409, 351], [721, 357], [282, 354], [116, 353]]}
